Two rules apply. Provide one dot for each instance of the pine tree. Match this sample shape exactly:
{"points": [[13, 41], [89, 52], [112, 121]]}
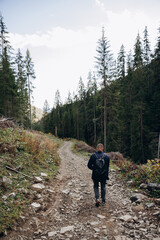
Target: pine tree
{"points": [[155, 106], [58, 104], [30, 76], [147, 60], [146, 48], [139, 89], [57, 100], [69, 98], [92, 107], [7, 78], [83, 118], [46, 107], [3, 36], [157, 48], [104, 61], [76, 114], [22, 100], [121, 63], [129, 62], [138, 53]]}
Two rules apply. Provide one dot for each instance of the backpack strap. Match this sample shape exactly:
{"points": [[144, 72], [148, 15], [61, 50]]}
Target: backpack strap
{"points": [[103, 156]]}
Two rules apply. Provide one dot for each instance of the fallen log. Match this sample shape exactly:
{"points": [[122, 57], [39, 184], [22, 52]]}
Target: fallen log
{"points": [[14, 170], [6, 119], [7, 123]]}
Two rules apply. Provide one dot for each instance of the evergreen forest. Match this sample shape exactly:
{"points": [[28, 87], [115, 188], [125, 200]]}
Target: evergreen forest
{"points": [[16, 81], [120, 106]]}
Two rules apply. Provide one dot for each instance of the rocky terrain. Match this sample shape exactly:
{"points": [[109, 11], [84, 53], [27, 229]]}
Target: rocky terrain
{"points": [[65, 208]]}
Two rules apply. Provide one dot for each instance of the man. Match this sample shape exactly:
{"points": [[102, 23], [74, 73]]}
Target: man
{"points": [[99, 164]]}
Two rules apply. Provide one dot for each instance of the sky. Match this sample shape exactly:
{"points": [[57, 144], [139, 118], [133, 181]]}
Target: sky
{"points": [[62, 36]]}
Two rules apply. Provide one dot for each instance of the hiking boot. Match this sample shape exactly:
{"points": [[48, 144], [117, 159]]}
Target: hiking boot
{"points": [[97, 202], [103, 202]]}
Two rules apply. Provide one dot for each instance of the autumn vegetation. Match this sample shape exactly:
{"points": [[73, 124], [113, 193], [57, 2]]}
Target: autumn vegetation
{"points": [[30, 153]]}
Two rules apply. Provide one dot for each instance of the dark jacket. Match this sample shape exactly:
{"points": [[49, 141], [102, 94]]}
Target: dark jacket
{"points": [[93, 167]]}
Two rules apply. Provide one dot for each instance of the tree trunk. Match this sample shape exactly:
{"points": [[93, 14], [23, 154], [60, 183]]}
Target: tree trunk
{"points": [[4, 98], [77, 125], [30, 109], [105, 112], [105, 119], [159, 146], [95, 134], [142, 145], [86, 121], [56, 131]]}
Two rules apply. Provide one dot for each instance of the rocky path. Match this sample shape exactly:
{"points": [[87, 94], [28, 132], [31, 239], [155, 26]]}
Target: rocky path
{"points": [[67, 209]]}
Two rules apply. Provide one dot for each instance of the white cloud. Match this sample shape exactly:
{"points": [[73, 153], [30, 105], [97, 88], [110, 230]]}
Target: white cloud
{"points": [[56, 38], [100, 4], [123, 27], [62, 55]]}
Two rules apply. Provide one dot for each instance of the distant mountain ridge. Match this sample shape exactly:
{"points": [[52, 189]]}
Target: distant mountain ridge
{"points": [[38, 112]]}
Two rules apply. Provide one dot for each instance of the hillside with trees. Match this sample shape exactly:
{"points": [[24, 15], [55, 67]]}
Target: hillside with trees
{"points": [[120, 106], [16, 81]]}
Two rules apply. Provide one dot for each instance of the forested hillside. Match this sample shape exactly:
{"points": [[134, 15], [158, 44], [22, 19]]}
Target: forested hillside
{"points": [[120, 105], [16, 75]]}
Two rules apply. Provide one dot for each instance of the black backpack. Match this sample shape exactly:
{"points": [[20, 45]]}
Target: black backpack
{"points": [[99, 166]]}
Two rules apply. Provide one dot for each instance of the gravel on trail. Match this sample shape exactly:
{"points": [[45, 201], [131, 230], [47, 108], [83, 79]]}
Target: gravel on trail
{"points": [[65, 208]]}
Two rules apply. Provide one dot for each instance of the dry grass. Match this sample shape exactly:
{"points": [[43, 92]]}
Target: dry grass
{"points": [[82, 146], [30, 152]]}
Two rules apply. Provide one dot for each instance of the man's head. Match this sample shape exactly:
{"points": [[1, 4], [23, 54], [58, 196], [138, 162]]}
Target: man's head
{"points": [[100, 147]]}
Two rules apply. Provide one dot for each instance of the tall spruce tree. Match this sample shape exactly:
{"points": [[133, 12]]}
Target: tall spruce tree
{"points": [[30, 76], [121, 63], [138, 107], [156, 90], [22, 101], [138, 53], [157, 47], [146, 48], [92, 107], [46, 107], [147, 60], [83, 118], [3, 36], [7, 78], [58, 104], [104, 64]]}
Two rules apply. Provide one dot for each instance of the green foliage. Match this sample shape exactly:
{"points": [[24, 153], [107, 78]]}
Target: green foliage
{"points": [[130, 100], [15, 81], [142, 173]]}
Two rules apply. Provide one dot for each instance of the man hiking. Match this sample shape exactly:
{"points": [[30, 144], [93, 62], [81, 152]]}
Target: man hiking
{"points": [[99, 164]]}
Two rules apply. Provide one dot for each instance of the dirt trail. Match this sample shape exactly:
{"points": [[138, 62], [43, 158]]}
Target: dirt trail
{"points": [[68, 210]]}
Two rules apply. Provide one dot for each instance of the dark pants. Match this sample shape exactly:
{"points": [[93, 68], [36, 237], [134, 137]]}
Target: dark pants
{"points": [[103, 189]]}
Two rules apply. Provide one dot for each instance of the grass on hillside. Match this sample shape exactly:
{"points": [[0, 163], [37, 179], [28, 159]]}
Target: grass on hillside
{"points": [[31, 153]]}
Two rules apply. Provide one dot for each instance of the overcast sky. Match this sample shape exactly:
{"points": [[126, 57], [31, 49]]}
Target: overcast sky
{"points": [[62, 36]]}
